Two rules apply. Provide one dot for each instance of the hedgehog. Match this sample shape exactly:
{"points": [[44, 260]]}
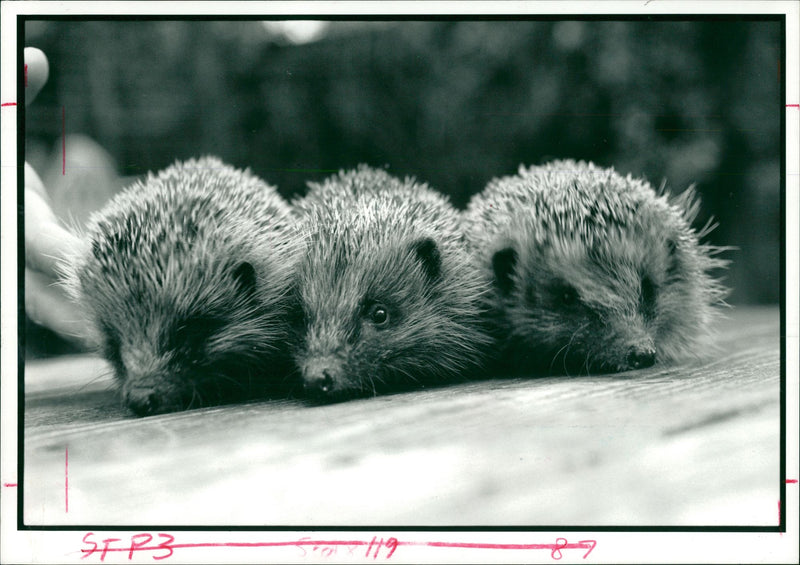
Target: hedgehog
{"points": [[593, 272], [390, 297], [185, 281]]}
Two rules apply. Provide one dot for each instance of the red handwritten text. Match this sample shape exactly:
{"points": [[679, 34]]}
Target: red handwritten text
{"points": [[163, 546], [138, 542]]}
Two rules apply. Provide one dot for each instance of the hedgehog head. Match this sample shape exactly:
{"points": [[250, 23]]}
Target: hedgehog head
{"points": [[185, 302], [604, 276], [387, 299]]}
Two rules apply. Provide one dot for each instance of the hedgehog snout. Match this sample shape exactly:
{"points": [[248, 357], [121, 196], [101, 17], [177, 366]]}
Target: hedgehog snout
{"points": [[322, 376], [143, 401], [151, 383], [147, 400], [641, 356], [319, 384]]}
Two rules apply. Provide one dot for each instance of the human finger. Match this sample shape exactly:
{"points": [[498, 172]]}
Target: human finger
{"points": [[46, 304], [36, 72], [33, 182], [46, 243]]}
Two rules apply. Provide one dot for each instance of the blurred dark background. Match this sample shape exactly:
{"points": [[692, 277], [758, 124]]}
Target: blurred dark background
{"points": [[453, 103]]}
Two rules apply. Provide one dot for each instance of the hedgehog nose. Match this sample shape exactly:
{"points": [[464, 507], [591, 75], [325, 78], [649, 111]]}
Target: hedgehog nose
{"points": [[320, 383], [142, 401], [641, 357]]}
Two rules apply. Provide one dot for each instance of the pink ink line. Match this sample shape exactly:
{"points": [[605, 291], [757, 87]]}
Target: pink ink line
{"points": [[63, 141], [462, 545], [260, 544], [66, 480], [9, 484], [793, 105], [236, 544], [791, 481], [26, 76], [4, 104], [243, 544], [468, 545], [583, 544]]}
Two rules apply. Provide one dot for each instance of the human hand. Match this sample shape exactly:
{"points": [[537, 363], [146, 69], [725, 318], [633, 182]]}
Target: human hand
{"points": [[47, 243]]}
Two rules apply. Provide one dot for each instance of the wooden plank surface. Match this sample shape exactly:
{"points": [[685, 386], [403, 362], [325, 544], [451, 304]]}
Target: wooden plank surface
{"points": [[696, 444]]}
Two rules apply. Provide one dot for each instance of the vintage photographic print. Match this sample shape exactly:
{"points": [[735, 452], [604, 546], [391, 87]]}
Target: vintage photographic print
{"points": [[305, 284]]}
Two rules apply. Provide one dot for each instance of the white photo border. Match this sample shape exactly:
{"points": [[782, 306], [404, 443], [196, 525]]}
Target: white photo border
{"points": [[640, 545]]}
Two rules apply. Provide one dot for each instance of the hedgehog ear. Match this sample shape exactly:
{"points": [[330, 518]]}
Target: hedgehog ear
{"points": [[428, 255], [503, 264], [672, 246], [672, 250], [245, 277]]}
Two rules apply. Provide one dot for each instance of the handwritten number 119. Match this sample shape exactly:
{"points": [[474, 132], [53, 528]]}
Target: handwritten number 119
{"points": [[390, 544]]}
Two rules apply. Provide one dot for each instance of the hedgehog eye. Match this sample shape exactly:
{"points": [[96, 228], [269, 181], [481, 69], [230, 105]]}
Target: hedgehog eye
{"points": [[565, 294], [193, 331], [378, 314]]}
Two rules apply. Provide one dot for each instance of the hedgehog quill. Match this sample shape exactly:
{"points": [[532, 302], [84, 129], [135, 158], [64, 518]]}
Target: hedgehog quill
{"points": [[390, 296], [185, 282], [592, 271]]}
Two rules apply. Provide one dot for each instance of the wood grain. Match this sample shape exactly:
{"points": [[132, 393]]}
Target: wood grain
{"points": [[695, 444]]}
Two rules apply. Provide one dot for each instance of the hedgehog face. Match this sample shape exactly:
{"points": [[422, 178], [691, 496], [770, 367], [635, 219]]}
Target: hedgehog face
{"points": [[198, 339], [594, 271], [185, 279], [617, 305], [373, 317]]}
